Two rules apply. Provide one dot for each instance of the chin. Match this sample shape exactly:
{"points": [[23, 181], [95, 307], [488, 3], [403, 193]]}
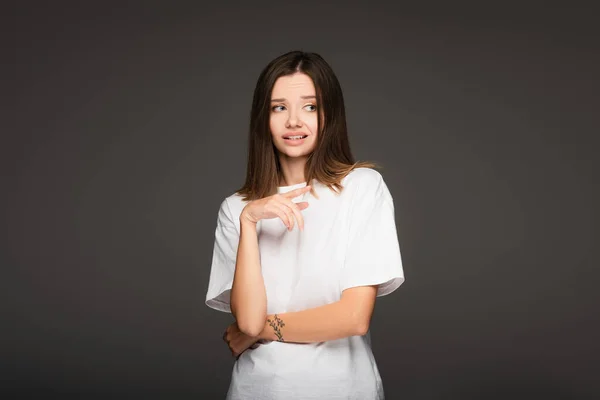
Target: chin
{"points": [[299, 151], [296, 154]]}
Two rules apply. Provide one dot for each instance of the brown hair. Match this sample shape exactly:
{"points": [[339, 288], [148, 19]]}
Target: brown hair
{"points": [[331, 159]]}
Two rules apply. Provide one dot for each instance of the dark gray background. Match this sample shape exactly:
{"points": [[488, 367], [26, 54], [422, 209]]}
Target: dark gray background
{"points": [[126, 128]]}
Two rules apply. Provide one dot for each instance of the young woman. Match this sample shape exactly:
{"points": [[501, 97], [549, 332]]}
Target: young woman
{"points": [[304, 247]]}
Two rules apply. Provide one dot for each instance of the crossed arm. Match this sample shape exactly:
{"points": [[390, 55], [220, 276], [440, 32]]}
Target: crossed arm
{"points": [[349, 316]]}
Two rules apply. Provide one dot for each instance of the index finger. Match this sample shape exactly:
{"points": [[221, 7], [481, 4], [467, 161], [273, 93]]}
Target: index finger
{"points": [[297, 192]]}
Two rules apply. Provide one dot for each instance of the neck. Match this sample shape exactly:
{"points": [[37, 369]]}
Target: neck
{"points": [[292, 170]]}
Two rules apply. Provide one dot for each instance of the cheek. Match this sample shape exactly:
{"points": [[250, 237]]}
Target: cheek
{"points": [[273, 125], [313, 123], [276, 122]]}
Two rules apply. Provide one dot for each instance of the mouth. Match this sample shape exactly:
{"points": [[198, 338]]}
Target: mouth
{"points": [[294, 139], [298, 137], [295, 136]]}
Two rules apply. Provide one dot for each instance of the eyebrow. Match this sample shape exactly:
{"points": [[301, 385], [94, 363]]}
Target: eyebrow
{"points": [[302, 97]]}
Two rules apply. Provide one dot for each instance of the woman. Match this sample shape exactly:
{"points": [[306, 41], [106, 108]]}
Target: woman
{"points": [[304, 247]]}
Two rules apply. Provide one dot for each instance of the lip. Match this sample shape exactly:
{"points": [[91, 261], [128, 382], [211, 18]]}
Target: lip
{"points": [[295, 134], [295, 142]]}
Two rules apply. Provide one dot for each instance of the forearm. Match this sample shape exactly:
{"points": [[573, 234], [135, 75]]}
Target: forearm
{"points": [[320, 324], [248, 296]]}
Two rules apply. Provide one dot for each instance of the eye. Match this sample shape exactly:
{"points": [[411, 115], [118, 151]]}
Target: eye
{"points": [[314, 107], [276, 108]]}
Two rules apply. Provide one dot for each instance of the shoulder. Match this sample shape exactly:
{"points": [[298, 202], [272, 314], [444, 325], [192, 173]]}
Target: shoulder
{"points": [[363, 179], [366, 187]]}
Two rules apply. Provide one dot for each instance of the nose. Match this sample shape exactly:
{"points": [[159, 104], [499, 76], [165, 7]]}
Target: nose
{"points": [[293, 120]]}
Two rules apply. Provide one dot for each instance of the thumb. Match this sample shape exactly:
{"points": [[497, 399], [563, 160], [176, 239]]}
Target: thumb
{"points": [[302, 205]]}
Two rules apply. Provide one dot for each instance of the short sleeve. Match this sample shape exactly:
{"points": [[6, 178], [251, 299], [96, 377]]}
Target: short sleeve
{"points": [[223, 261], [373, 252]]}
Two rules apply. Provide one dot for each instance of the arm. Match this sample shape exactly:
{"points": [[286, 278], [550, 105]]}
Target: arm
{"points": [[248, 294], [350, 316], [248, 297]]}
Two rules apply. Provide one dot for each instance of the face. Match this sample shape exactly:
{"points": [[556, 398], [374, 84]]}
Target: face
{"points": [[293, 114]]}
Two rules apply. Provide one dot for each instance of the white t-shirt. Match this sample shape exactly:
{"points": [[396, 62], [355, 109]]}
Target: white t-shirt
{"points": [[349, 240]]}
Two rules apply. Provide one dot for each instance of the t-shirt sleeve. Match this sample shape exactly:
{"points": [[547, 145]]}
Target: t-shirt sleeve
{"points": [[223, 261], [373, 252]]}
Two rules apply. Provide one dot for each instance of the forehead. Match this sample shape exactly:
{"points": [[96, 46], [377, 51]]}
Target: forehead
{"points": [[298, 84]]}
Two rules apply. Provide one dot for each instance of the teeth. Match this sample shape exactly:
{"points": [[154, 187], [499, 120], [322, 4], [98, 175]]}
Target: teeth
{"points": [[294, 137]]}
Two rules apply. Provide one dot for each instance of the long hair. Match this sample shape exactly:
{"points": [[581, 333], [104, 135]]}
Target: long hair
{"points": [[330, 161]]}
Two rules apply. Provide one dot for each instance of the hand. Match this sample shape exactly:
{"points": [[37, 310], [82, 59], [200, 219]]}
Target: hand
{"points": [[278, 205], [238, 341]]}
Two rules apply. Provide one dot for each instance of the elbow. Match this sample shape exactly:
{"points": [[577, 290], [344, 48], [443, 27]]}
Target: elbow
{"points": [[357, 322], [250, 322], [360, 324], [251, 328], [361, 328], [358, 304], [251, 325]]}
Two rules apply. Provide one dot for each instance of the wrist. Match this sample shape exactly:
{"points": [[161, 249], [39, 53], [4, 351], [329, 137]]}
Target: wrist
{"points": [[246, 222], [273, 328], [268, 333], [264, 334]]}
